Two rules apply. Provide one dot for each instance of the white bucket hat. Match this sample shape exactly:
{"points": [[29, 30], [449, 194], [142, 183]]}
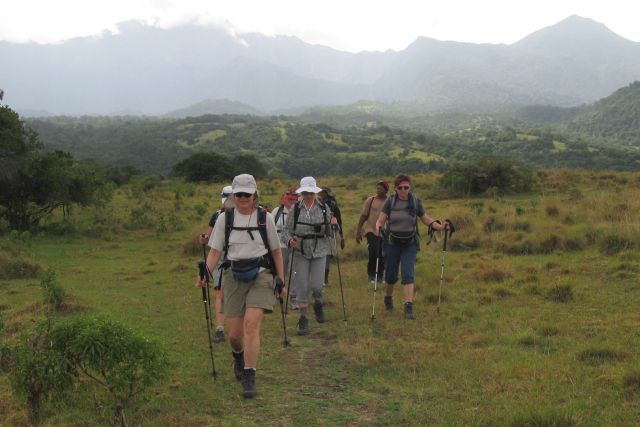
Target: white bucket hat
{"points": [[226, 192], [244, 183], [308, 184]]}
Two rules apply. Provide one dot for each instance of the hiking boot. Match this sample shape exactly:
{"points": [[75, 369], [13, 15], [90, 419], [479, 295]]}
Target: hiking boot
{"points": [[408, 311], [238, 364], [219, 336], [303, 325], [388, 303], [249, 383], [318, 311]]}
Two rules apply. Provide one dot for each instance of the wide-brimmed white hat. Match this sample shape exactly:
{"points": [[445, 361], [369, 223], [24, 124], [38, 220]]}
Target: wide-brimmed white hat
{"points": [[308, 184], [226, 192], [244, 183]]}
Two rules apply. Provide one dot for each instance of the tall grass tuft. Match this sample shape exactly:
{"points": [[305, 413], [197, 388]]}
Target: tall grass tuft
{"points": [[560, 293], [52, 291], [541, 417], [613, 244], [597, 356]]}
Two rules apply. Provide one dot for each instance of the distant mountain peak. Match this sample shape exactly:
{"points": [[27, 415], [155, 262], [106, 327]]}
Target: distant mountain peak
{"points": [[571, 31]]}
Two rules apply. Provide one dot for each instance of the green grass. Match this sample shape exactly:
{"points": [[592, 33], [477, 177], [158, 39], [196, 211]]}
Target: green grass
{"points": [[509, 347]]}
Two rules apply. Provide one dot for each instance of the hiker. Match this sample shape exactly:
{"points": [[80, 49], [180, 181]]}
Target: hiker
{"points": [[367, 224], [307, 233], [227, 203], [280, 215], [253, 259], [326, 196], [399, 216]]}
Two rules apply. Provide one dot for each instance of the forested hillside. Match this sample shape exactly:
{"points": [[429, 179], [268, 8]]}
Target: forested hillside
{"points": [[296, 149], [617, 115]]}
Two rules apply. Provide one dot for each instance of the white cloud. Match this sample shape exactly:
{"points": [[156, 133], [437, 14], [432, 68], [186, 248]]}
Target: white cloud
{"points": [[350, 25]]}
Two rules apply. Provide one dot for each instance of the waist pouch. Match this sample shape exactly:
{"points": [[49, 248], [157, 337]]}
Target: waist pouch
{"points": [[246, 270], [401, 238]]}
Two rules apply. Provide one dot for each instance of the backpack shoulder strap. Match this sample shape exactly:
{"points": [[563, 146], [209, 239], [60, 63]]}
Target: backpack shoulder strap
{"points": [[228, 226], [279, 214], [262, 228], [296, 215], [370, 204]]}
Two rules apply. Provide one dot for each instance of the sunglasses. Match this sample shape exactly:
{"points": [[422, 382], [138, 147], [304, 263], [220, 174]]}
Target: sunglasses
{"points": [[306, 193], [225, 195], [242, 195], [403, 187]]}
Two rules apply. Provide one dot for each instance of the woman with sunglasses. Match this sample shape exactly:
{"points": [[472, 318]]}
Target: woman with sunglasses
{"points": [[307, 233], [247, 285], [399, 217]]}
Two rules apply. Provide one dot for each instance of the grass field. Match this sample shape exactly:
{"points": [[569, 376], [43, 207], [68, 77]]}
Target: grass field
{"points": [[539, 322]]}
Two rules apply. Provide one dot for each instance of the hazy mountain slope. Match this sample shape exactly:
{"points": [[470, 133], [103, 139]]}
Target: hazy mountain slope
{"points": [[153, 71]]}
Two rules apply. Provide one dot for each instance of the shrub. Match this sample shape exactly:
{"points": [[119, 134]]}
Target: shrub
{"points": [[111, 355], [552, 211], [489, 174], [38, 371], [52, 291]]}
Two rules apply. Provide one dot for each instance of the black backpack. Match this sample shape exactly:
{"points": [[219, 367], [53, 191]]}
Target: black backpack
{"points": [[261, 228]]}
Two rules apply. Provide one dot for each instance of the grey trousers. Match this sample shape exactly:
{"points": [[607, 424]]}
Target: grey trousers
{"points": [[305, 271]]}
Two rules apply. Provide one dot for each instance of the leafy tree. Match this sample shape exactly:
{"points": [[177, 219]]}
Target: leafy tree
{"points": [[248, 163], [48, 182], [208, 167], [33, 184]]}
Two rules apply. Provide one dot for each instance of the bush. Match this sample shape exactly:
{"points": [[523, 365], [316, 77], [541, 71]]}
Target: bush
{"points": [[39, 371], [489, 174], [111, 355], [52, 291]]}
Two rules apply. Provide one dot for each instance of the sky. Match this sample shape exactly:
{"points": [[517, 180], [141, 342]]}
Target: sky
{"points": [[350, 25]]}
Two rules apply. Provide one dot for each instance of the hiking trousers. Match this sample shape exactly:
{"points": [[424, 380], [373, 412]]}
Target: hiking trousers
{"points": [[308, 273], [373, 246]]}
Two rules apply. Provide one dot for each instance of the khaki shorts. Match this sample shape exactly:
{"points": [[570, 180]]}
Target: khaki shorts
{"points": [[237, 296]]}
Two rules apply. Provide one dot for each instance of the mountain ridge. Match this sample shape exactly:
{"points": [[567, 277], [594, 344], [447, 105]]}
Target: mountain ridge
{"points": [[155, 71]]}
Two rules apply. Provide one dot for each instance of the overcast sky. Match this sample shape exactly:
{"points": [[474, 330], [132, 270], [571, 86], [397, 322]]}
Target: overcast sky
{"points": [[351, 25]]}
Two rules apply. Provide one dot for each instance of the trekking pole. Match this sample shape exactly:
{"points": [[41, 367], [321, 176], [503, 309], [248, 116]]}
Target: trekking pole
{"points": [[344, 310], [204, 257], [286, 306], [447, 232], [204, 273], [375, 282], [278, 287]]}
